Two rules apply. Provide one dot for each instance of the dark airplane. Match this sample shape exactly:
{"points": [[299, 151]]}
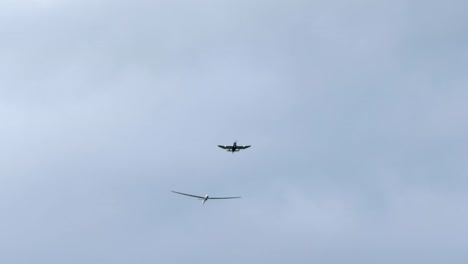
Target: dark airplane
{"points": [[234, 147]]}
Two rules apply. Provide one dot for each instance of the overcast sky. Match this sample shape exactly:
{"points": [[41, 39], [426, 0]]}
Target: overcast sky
{"points": [[357, 113]]}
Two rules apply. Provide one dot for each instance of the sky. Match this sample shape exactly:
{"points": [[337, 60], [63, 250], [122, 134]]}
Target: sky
{"points": [[356, 112]]}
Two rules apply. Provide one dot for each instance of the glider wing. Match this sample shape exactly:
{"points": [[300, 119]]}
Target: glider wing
{"points": [[224, 197], [191, 195]]}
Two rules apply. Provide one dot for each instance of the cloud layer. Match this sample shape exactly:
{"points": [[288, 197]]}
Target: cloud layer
{"points": [[355, 111]]}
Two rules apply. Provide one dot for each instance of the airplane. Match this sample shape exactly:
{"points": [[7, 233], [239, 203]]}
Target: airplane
{"points": [[234, 147], [206, 197]]}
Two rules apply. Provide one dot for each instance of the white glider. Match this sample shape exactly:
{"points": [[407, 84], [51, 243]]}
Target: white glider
{"points": [[206, 197]]}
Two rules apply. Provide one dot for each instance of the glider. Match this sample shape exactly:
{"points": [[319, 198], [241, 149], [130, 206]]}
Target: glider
{"points": [[234, 147], [206, 197]]}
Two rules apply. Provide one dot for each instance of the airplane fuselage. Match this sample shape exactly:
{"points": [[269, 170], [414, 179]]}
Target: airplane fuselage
{"points": [[234, 146]]}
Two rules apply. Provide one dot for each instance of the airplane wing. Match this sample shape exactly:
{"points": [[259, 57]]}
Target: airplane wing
{"points": [[225, 147], [196, 196], [224, 197], [243, 147]]}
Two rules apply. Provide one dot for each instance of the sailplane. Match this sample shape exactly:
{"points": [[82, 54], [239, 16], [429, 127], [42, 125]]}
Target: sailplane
{"points": [[206, 197]]}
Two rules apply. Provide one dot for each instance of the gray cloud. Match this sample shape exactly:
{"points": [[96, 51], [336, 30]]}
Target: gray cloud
{"points": [[355, 112]]}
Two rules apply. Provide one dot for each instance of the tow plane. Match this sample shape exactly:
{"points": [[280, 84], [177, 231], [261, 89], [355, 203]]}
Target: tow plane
{"points": [[206, 197], [234, 147]]}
